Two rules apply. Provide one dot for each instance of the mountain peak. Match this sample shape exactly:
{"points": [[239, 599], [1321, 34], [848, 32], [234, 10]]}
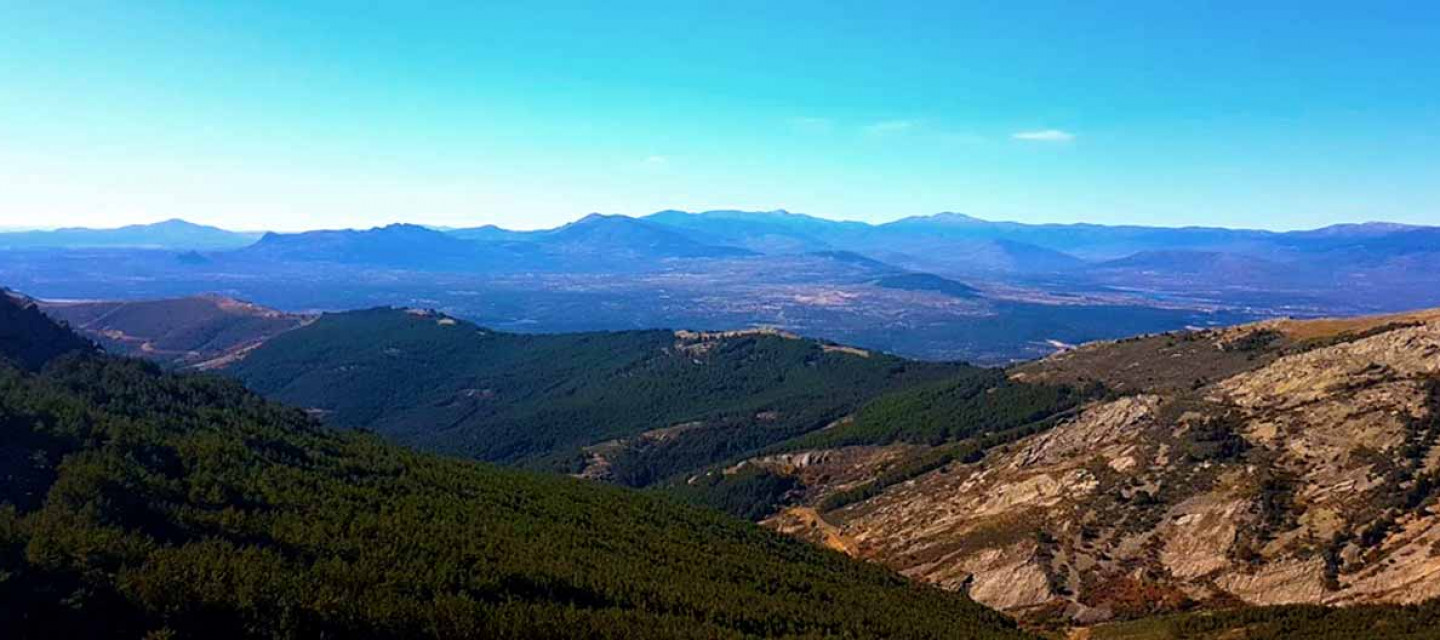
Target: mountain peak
{"points": [[949, 217], [1372, 228], [406, 228], [602, 218]]}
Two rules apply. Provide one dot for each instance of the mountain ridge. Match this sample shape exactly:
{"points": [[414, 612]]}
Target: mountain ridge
{"points": [[174, 233], [139, 503], [1287, 461]]}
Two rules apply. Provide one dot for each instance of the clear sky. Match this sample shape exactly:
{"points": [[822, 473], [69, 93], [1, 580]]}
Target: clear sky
{"points": [[289, 115]]}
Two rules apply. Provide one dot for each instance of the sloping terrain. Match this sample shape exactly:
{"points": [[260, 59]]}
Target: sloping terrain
{"points": [[594, 243], [137, 503], [1284, 462], [633, 406], [201, 331], [616, 239], [1284, 622], [396, 245], [928, 282], [28, 339], [171, 234]]}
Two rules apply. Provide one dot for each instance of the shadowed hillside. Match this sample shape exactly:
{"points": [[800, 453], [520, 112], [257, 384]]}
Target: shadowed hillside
{"points": [[652, 403], [200, 331], [185, 506], [28, 339]]}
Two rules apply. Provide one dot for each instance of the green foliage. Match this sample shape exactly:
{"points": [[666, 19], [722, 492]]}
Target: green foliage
{"points": [[963, 415], [1214, 438], [750, 493], [449, 386], [911, 468], [968, 404], [1289, 622], [185, 506], [1254, 341], [28, 339]]}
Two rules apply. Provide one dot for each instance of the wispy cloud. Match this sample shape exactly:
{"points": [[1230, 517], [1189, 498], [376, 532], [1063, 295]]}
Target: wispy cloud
{"points": [[888, 127], [812, 125], [656, 161], [1044, 135]]}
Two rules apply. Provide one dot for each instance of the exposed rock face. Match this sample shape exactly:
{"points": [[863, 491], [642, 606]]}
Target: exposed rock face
{"points": [[1276, 463]]}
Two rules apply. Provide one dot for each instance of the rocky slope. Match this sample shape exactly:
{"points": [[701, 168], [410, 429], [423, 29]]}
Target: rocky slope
{"points": [[1283, 462]]}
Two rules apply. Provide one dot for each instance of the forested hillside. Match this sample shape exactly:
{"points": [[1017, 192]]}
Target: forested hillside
{"points": [[664, 402], [138, 503], [1310, 622], [28, 339]]}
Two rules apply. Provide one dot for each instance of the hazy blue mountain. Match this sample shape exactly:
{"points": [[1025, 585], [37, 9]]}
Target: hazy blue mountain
{"points": [[815, 277], [617, 236], [489, 233], [612, 234], [762, 231], [944, 240], [959, 243], [1370, 242], [594, 243], [396, 245], [170, 234], [1198, 263], [1088, 241], [991, 257]]}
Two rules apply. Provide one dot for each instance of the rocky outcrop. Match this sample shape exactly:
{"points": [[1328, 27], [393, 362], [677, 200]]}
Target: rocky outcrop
{"points": [[1287, 463]]}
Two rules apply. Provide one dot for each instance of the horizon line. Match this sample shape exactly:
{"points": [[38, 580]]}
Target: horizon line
{"points": [[6, 229]]}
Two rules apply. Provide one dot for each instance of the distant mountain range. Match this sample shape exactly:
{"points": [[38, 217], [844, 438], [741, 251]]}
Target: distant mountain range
{"points": [[594, 243], [785, 232], [950, 242], [170, 234], [946, 286]]}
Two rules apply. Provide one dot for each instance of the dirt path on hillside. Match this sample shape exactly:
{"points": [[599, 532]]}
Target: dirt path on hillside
{"points": [[830, 533]]}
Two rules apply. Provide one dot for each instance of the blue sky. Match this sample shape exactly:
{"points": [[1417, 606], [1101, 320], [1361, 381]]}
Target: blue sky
{"points": [[291, 115]]}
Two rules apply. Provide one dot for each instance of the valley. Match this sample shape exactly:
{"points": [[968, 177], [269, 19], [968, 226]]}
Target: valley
{"points": [[1279, 463], [943, 287], [1075, 483], [139, 503], [482, 320]]}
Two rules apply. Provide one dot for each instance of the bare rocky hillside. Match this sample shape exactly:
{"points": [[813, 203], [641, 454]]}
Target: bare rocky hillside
{"points": [[1283, 462]]}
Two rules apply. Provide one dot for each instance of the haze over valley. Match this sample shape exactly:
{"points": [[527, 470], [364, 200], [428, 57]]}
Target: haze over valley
{"points": [[942, 287], [913, 320]]}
